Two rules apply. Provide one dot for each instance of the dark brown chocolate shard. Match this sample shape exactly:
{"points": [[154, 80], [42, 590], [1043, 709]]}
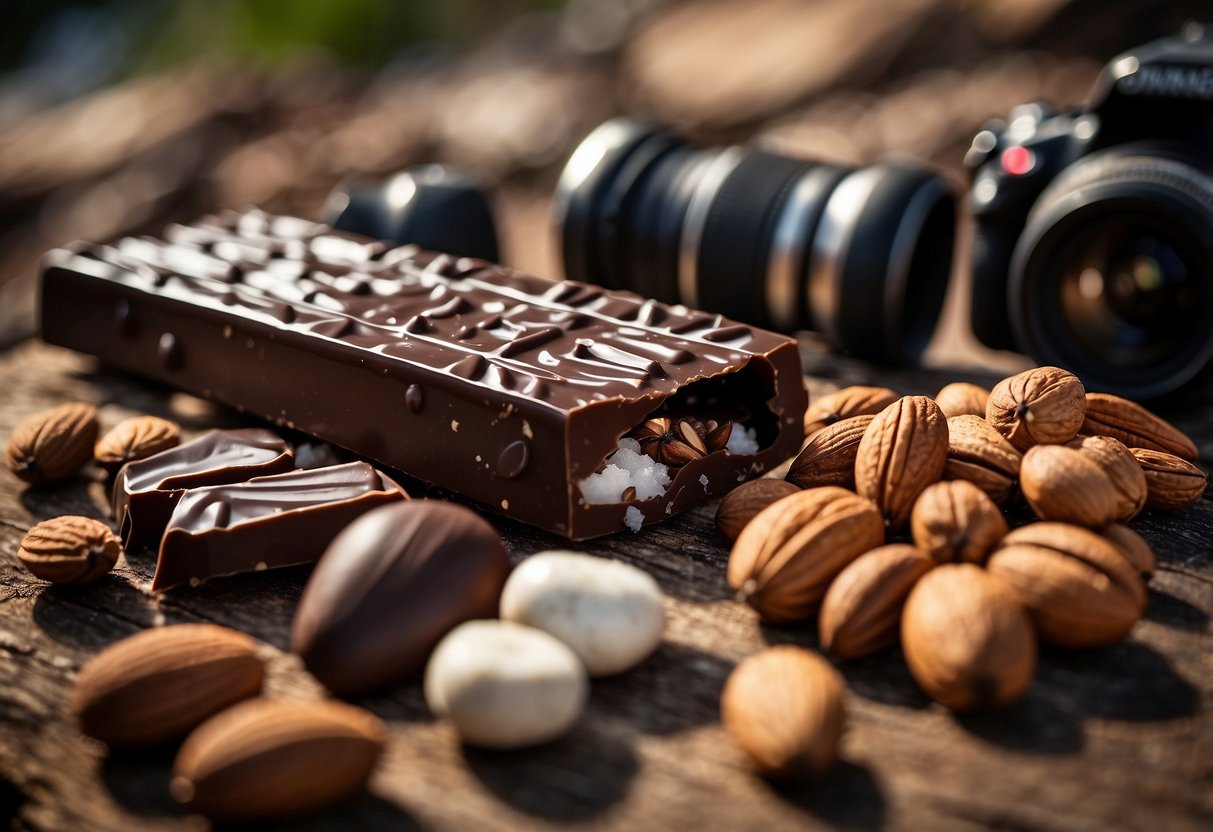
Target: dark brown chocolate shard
{"points": [[451, 361], [266, 522], [147, 490]]}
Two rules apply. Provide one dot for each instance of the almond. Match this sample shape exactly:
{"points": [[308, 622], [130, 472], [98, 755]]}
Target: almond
{"points": [[968, 641], [741, 504], [829, 457], [784, 708], [1122, 470], [981, 455], [53, 445], [862, 608], [69, 550], [1171, 482], [1064, 484], [1044, 406], [266, 759], [961, 398], [158, 684], [785, 558], [956, 521], [1134, 426], [1080, 590], [845, 403], [903, 450], [136, 438]]}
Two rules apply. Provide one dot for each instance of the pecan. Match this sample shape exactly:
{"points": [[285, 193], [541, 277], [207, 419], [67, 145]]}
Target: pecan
{"points": [[1044, 406]]}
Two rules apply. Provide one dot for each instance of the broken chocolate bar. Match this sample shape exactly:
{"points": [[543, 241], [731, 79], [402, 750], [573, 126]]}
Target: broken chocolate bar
{"points": [[515, 391], [146, 491], [280, 520]]}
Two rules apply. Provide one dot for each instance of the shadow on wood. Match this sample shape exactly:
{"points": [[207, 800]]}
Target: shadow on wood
{"points": [[848, 797], [94, 616]]}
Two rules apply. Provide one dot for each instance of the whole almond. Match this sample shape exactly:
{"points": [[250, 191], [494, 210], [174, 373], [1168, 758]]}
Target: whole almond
{"points": [[784, 708], [53, 445], [961, 398], [862, 608], [829, 457], [857, 400], [158, 684], [903, 450], [968, 642], [69, 550], [1122, 470], [743, 503], [267, 759], [1044, 406], [136, 438], [784, 559], [1064, 484], [1171, 482], [1134, 426], [956, 521], [1079, 588], [1134, 547], [981, 455]]}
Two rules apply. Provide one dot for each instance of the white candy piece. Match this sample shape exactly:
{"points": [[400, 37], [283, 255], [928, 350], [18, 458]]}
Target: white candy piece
{"points": [[504, 685], [610, 613]]}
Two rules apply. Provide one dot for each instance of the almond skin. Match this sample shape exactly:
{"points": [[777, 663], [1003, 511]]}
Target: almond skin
{"points": [[1079, 588], [743, 503], [903, 450], [962, 398], [784, 708], [784, 560], [857, 400], [968, 641], [861, 612], [1122, 470], [52, 446], [1064, 484], [158, 684], [956, 521], [829, 457], [266, 759], [1044, 406], [1171, 482], [981, 455], [69, 550], [136, 438], [1134, 426]]}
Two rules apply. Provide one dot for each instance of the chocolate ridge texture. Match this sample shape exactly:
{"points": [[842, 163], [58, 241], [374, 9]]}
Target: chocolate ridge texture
{"points": [[504, 387]]}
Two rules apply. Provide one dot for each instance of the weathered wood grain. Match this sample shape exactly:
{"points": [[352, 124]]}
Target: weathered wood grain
{"points": [[1115, 738]]}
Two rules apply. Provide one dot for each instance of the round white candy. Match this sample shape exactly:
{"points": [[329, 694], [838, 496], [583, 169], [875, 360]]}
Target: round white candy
{"points": [[609, 612], [504, 685]]}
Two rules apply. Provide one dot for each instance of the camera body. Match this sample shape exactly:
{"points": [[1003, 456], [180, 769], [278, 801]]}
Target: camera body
{"points": [[1093, 227]]}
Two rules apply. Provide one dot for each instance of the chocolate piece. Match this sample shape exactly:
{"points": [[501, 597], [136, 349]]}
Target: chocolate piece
{"points": [[281, 520], [504, 387], [390, 587], [146, 491]]}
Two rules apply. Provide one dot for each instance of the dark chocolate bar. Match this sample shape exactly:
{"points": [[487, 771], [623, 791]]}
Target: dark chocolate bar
{"points": [[146, 491], [280, 520], [507, 388]]}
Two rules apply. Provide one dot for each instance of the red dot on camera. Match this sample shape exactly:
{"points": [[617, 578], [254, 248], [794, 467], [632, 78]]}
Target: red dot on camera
{"points": [[1017, 160]]}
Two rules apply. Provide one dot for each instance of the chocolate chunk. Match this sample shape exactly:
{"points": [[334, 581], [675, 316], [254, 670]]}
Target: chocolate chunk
{"points": [[390, 587], [146, 491], [280, 520], [434, 364]]}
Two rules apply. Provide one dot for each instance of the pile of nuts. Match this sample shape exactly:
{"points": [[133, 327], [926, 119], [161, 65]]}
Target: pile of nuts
{"points": [[894, 531]]}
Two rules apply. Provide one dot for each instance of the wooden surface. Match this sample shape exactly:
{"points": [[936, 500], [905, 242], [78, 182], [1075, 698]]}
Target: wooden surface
{"points": [[1116, 738]]}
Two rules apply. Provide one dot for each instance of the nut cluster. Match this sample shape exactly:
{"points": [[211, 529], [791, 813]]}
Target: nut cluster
{"points": [[677, 440], [968, 597]]}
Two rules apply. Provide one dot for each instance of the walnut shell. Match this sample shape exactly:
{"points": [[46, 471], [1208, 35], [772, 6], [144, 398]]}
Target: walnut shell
{"points": [[903, 450], [956, 521], [1045, 406], [962, 398], [969, 644], [784, 559], [1171, 482], [69, 550], [862, 608], [1064, 484], [829, 457], [1134, 426], [1079, 588], [744, 502], [981, 455], [53, 445], [857, 400], [1122, 470]]}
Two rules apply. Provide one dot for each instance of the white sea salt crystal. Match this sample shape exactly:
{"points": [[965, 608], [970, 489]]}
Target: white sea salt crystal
{"points": [[742, 442], [633, 518], [626, 468]]}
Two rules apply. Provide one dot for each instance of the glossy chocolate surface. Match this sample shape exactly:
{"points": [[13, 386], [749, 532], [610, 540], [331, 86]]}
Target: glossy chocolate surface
{"points": [[279, 520], [390, 587], [146, 491], [504, 387]]}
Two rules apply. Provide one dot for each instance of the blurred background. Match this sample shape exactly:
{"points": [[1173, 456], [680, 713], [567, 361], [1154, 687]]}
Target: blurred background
{"points": [[120, 116]]}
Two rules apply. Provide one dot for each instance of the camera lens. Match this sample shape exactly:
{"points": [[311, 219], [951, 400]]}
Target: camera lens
{"points": [[1114, 274], [862, 255]]}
